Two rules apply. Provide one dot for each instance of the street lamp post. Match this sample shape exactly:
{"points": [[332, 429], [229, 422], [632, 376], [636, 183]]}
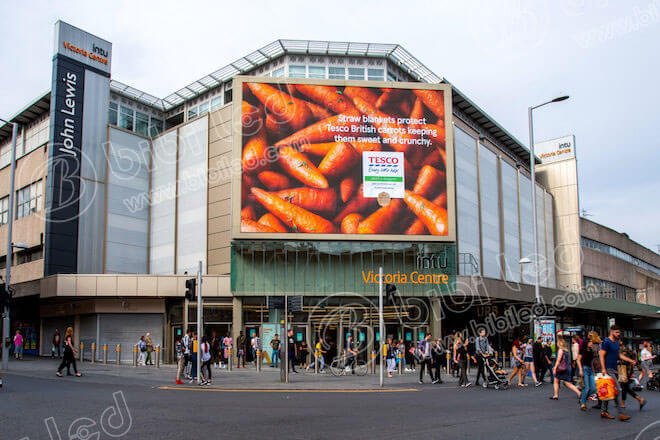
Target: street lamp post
{"points": [[10, 246], [532, 167]]}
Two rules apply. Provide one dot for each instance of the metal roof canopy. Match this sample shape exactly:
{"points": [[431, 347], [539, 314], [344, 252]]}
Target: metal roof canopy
{"points": [[29, 113]]}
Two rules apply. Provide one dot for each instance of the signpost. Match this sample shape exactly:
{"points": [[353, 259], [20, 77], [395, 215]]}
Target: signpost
{"points": [[381, 323], [200, 324]]}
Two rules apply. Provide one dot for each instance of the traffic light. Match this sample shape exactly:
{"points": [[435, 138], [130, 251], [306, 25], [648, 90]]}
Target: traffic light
{"points": [[390, 294], [191, 288]]}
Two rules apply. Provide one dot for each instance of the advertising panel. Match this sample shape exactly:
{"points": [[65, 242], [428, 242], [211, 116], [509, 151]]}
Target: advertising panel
{"points": [[545, 328], [555, 150], [343, 160]]}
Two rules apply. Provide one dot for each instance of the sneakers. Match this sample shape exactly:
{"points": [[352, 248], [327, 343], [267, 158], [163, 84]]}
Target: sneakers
{"points": [[179, 382], [538, 384], [435, 381], [469, 384], [58, 374], [420, 382]]}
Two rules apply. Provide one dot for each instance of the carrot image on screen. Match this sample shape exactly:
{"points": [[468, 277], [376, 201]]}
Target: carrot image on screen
{"points": [[433, 100], [295, 217], [298, 166], [358, 204], [429, 181], [328, 97], [317, 132], [286, 108], [365, 93], [272, 222], [339, 160], [347, 187], [274, 181], [249, 213], [322, 201], [255, 153], [381, 221], [248, 225], [433, 216], [417, 227], [350, 223], [382, 124]]}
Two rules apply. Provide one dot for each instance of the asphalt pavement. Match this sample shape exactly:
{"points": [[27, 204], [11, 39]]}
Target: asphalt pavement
{"points": [[143, 403]]}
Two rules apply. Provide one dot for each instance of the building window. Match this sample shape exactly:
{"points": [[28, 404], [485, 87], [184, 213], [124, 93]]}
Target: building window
{"points": [[126, 117], [156, 127], [355, 73], [142, 123], [316, 71], [277, 73], [112, 113], [216, 103], [376, 74], [337, 72], [203, 108], [228, 96], [296, 71], [467, 202], [192, 112], [391, 77], [4, 210], [28, 200], [29, 255]]}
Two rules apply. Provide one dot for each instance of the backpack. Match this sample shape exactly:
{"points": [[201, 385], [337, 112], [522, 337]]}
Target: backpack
{"points": [[206, 355]]}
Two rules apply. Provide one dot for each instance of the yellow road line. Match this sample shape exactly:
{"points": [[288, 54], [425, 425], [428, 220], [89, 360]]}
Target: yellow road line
{"points": [[276, 390]]}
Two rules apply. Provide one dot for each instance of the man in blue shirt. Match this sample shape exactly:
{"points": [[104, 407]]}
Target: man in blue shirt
{"points": [[609, 359]]}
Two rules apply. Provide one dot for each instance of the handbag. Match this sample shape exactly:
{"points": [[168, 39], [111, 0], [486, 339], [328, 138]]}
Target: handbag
{"points": [[622, 370], [563, 364]]}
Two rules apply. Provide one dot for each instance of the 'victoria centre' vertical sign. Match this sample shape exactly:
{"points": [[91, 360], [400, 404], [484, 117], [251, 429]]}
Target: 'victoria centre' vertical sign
{"points": [[80, 87]]}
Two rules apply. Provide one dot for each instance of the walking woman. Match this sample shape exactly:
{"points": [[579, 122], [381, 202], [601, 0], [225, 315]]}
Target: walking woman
{"points": [[624, 380], [205, 348], [646, 357], [461, 355], [529, 361], [390, 357], [69, 357], [562, 370], [585, 362], [517, 363]]}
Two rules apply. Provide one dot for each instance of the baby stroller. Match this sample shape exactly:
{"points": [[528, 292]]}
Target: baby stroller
{"points": [[653, 382], [496, 375]]}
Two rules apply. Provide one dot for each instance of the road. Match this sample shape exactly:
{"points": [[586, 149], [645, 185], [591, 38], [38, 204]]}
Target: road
{"points": [[35, 404]]}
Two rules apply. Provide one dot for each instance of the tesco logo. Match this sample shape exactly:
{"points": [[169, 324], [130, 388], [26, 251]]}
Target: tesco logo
{"points": [[385, 160]]}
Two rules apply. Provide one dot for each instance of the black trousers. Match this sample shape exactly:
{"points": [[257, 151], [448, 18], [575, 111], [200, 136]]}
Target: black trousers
{"points": [[206, 365], [437, 368], [67, 361], [292, 361], [463, 379], [425, 363], [480, 369]]}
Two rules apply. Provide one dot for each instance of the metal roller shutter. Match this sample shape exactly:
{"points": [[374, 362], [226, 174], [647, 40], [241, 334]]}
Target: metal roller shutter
{"points": [[126, 329]]}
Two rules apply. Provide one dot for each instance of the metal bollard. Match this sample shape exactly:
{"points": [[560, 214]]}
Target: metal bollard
{"points": [[448, 362], [81, 351], [157, 356], [373, 362], [105, 353], [93, 352], [316, 363], [400, 356], [118, 354], [258, 361], [230, 359], [135, 355]]}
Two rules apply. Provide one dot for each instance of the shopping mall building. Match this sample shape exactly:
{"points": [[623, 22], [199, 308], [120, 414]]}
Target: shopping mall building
{"points": [[119, 195]]}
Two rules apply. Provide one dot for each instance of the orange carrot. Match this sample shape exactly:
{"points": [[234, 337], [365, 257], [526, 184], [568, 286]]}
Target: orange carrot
{"points": [[318, 111], [359, 204], [433, 100], [417, 227], [437, 134], [321, 201], [381, 220], [318, 132], [366, 93], [251, 119], [417, 111], [394, 100], [247, 182], [436, 158], [272, 222], [385, 98], [316, 149], [429, 181], [298, 166], [347, 187], [248, 225], [276, 130], [385, 123], [255, 153], [362, 145], [249, 213], [286, 108], [433, 216], [295, 217], [274, 181], [339, 160], [350, 223], [329, 97]]}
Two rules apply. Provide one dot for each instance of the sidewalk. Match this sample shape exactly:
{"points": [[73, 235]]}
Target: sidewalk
{"points": [[238, 379]]}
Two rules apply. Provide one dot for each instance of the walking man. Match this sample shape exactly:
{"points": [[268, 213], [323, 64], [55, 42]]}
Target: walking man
{"points": [[609, 357], [437, 355], [537, 356], [425, 356], [57, 344], [483, 351], [291, 351]]}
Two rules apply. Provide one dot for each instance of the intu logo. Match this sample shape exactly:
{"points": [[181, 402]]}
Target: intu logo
{"points": [[99, 50]]}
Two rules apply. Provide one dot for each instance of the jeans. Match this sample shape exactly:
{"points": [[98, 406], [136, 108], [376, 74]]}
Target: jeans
{"points": [[391, 365], [275, 358], [617, 400], [589, 384], [19, 351], [321, 362], [481, 372]]}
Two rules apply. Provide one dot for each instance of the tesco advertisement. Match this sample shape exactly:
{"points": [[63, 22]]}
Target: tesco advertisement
{"points": [[344, 159]]}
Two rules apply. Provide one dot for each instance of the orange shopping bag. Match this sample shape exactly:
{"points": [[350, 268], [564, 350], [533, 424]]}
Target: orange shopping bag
{"points": [[606, 386]]}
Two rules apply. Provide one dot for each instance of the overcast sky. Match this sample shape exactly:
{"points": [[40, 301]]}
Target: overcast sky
{"points": [[505, 56]]}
